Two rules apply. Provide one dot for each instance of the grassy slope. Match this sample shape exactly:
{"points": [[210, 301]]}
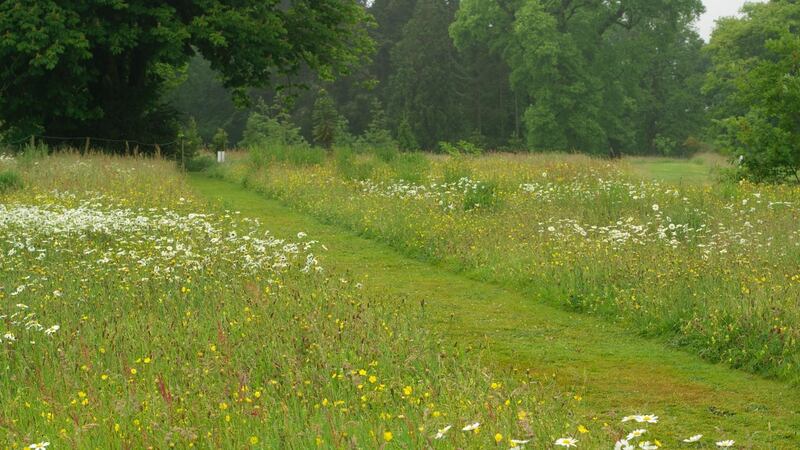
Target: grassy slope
{"points": [[613, 371]]}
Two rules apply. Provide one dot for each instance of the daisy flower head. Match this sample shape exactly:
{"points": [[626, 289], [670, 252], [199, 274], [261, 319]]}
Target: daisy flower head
{"points": [[471, 427], [566, 442], [440, 434], [695, 438]]}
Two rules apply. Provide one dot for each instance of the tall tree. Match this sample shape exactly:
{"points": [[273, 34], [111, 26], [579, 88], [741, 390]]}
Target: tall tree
{"points": [[755, 87], [573, 60], [428, 79], [100, 66]]}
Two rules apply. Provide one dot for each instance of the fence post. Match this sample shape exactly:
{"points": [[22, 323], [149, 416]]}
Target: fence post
{"points": [[183, 161], [127, 149], [158, 152], [33, 141], [86, 147]]}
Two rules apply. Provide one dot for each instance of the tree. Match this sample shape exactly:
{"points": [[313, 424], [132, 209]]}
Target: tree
{"points": [[377, 134], [755, 84], [192, 142], [327, 120], [405, 135], [579, 62], [428, 77], [220, 140], [100, 67]]}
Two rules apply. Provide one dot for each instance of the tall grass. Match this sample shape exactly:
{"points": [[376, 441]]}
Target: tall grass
{"points": [[711, 267], [137, 316]]}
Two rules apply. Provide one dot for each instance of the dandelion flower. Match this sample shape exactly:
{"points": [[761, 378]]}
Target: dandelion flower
{"points": [[566, 442], [694, 438], [498, 438], [387, 436]]}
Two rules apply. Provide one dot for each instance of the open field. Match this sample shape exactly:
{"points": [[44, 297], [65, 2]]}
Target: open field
{"points": [[134, 316], [137, 314], [707, 267]]}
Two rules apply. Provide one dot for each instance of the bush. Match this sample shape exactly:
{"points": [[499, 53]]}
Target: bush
{"points": [[460, 148], [200, 163], [9, 181], [219, 143], [191, 143]]}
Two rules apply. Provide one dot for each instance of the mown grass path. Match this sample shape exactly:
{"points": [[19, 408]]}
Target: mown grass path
{"points": [[614, 372]]}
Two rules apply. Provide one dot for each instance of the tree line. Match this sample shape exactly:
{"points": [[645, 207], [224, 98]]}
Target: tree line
{"points": [[604, 77]]}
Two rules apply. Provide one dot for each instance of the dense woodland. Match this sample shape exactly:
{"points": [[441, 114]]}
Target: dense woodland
{"points": [[607, 78]]}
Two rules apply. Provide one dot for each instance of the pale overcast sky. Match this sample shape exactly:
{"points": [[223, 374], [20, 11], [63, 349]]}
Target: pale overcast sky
{"points": [[716, 9]]}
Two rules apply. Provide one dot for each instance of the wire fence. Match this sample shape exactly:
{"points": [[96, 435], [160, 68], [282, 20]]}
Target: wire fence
{"points": [[85, 143]]}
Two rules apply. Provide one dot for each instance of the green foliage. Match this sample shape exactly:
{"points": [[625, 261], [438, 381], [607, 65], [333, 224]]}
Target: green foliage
{"points": [[756, 84], [327, 121], [275, 139], [10, 180], [603, 79], [411, 167], [350, 166], [190, 142], [377, 136], [219, 143], [480, 195], [405, 136], [455, 169], [460, 148], [32, 153], [265, 130], [94, 67], [200, 163]]}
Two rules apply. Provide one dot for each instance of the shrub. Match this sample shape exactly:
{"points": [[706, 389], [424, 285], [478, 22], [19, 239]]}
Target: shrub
{"points": [[200, 163], [219, 143], [191, 143], [9, 181]]}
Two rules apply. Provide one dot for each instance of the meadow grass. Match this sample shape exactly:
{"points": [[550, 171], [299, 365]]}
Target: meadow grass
{"points": [[136, 316], [711, 267]]}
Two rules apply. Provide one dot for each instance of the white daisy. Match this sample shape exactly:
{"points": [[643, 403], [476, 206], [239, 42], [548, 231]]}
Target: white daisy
{"points": [[566, 442], [694, 438], [440, 434], [471, 427]]}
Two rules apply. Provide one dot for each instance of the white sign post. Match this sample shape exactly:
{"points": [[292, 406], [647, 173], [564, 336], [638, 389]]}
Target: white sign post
{"points": [[220, 157]]}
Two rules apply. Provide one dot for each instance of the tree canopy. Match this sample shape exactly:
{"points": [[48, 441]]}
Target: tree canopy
{"points": [[754, 87], [100, 67], [593, 69]]}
